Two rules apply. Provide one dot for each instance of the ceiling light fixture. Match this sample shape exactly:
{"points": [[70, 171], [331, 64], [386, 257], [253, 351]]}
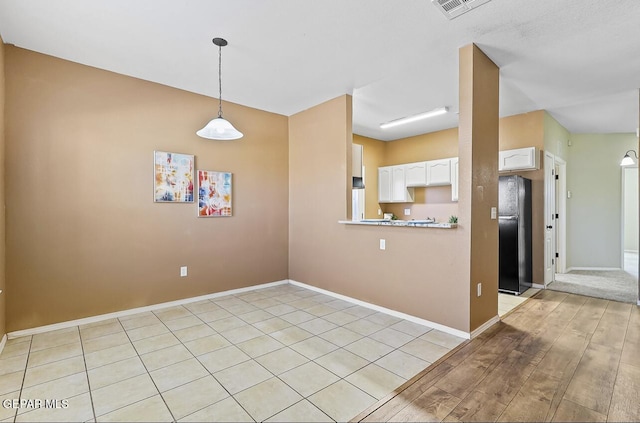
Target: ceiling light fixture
{"points": [[219, 128], [414, 118], [627, 160]]}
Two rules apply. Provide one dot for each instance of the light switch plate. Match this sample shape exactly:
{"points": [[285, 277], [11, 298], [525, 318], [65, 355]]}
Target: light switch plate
{"points": [[407, 212], [183, 271], [494, 213], [383, 244]]}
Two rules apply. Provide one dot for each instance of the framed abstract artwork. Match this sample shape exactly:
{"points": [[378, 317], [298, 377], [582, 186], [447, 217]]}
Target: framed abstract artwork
{"points": [[214, 193], [173, 177]]}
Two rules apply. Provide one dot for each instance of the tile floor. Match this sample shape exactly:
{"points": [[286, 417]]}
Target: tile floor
{"points": [[283, 353], [507, 302]]}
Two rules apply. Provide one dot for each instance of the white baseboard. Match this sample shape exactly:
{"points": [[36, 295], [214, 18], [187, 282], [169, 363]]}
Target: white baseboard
{"points": [[3, 342], [123, 313], [537, 286], [593, 268], [423, 322], [486, 325], [129, 312]]}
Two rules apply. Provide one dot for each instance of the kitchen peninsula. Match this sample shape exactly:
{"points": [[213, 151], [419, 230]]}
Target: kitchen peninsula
{"points": [[428, 223]]}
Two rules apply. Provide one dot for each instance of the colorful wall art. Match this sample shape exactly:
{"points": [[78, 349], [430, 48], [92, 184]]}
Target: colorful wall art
{"points": [[214, 193], [173, 182]]}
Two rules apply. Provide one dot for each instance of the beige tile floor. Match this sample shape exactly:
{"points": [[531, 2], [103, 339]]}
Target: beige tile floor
{"points": [[283, 353], [507, 302]]}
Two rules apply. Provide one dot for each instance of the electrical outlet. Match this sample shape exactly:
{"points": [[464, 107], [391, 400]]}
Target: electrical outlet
{"points": [[183, 271], [494, 213], [407, 212], [479, 290], [383, 244], [379, 212]]}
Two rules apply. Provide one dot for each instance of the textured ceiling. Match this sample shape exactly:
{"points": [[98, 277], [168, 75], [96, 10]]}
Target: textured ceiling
{"points": [[577, 59]]}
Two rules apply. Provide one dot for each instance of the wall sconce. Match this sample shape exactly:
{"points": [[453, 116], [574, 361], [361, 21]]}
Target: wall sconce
{"points": [[627, 160]]}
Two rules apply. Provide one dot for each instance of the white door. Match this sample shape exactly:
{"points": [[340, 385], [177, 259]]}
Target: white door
{"points": [[549, 218]]}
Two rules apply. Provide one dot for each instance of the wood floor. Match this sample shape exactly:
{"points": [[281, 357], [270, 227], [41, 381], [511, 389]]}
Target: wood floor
{"points": [[558, 357]]}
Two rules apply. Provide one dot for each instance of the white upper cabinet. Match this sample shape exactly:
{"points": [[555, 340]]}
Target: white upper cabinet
{"points": [[416, 174], [429, 173], [439, 172], [518, 159], [392, 186]]}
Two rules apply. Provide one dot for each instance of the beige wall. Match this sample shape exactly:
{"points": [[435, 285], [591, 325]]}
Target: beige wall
{"points": [[83, 234], [527, 130], [2, 193], [418, 273]]}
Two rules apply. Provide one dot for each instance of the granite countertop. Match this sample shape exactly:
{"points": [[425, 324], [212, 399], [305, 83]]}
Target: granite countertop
{"points": [[426, 223]]}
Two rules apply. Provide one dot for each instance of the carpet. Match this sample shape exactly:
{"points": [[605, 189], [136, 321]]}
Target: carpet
{"points": [[616, 285]]}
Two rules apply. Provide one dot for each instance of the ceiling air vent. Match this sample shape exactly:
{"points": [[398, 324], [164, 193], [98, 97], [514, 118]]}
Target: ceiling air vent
{"points": [[454, 8]]}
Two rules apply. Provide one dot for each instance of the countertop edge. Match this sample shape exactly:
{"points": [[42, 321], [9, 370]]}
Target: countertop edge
{"points": [[407, 224]]}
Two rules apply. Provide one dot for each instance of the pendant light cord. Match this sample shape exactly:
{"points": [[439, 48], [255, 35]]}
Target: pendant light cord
{"points": [[220, 81]]}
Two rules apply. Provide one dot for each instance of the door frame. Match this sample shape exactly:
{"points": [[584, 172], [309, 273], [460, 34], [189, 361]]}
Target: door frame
{"points": [[555, 196], [549, 234], [561, 209]]}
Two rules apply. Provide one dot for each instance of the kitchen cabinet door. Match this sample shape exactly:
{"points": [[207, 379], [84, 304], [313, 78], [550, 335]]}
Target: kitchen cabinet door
{"points": [[398, 184], [416, 174], [384, 184], [439, 172], [518, 159], [392, 186]]}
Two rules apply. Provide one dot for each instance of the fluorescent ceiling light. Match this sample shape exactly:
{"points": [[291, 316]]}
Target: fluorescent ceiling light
{"points": [[414, 118]]}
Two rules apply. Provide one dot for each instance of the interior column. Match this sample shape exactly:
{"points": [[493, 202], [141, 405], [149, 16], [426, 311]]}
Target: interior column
{"points": [[478, 180]]}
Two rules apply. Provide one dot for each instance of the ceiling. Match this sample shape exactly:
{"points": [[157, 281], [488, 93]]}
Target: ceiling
{"points": [[577, 59]]}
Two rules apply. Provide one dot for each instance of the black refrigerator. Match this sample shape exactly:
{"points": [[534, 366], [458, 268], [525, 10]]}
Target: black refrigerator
{"points": [[514, 217]]}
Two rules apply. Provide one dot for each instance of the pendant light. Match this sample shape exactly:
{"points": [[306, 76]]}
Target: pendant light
{"points": [[219, 128]]}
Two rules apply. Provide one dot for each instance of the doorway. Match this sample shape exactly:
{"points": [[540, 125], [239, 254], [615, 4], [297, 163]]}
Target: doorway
{"points": [[613, 284]]}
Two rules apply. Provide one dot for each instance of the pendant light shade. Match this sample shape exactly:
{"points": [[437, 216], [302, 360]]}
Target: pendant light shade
{"points": [[219, 128]]}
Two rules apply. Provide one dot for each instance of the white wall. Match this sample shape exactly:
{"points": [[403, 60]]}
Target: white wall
{"points": [[594, 213], [556, 137], [630, 202]]}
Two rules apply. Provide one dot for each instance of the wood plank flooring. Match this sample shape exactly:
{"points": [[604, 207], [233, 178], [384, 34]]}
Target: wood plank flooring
{"points": [[558, 357]]}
